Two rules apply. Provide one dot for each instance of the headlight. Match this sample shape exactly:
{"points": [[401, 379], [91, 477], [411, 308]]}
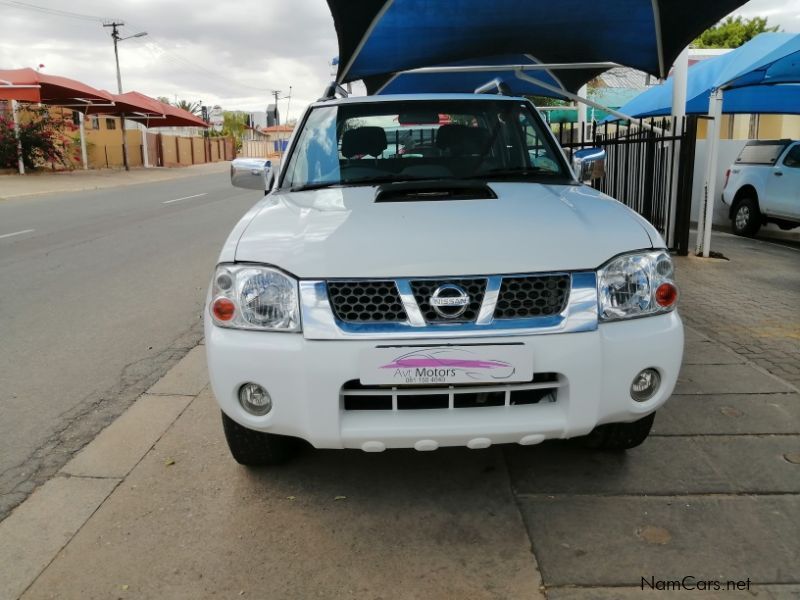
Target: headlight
{"points": [[254, 297], [636, 285]]}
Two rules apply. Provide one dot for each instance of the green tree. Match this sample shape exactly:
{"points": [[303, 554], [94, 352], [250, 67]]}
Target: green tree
{"points": [[234, 123], [189, 106], [547, 101], [732, 32], [163, 99]]}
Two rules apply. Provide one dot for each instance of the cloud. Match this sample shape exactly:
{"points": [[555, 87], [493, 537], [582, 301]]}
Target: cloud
{"points": [[218, 52], [784, 13]]}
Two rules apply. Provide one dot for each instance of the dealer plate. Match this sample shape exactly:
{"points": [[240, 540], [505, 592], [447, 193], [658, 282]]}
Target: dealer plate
{"points": [[432, 365]]}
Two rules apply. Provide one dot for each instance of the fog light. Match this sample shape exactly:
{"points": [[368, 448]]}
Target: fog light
{"points": [[645, 385], [255, 399]]}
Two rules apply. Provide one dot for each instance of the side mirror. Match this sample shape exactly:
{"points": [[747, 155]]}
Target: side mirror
{"points": [[252, 173], [589, 164]]}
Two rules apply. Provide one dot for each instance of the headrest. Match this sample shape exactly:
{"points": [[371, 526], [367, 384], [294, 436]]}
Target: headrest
{"points": [[461, 139], [364, 141]]}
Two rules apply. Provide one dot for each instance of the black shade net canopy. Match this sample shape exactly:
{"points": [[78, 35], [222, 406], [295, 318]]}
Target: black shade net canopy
{"points": [[380, 38]]}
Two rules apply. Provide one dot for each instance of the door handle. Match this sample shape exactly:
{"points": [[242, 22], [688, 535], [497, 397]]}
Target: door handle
{"points": [[778, 174]]}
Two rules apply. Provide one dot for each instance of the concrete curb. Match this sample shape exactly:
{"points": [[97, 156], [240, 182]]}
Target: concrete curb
{"points": [[105, 180], [37, 530]]}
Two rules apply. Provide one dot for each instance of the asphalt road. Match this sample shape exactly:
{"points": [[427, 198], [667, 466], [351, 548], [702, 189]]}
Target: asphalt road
{"points": [[101, 293]]}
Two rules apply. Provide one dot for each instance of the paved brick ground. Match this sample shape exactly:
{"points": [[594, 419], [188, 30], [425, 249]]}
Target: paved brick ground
{"points": [[750, 303], [713, 495]]}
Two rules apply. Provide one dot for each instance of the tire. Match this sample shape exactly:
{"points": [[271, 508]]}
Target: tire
{"points": [[746, 218], [620, 436], [255, 448]]}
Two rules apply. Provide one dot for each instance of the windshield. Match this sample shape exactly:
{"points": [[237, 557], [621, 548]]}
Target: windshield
{"points": [[361, 143]]}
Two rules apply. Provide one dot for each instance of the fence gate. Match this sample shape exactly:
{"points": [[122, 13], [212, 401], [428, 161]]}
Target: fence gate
{"points": [[649, 170]]}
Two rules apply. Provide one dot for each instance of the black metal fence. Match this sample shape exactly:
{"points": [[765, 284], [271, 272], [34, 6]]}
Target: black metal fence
{"points": [[649, 167]]}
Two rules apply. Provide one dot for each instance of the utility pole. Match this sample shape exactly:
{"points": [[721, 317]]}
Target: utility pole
{"points": [[115, 25], [276, 94], [288, 104]]}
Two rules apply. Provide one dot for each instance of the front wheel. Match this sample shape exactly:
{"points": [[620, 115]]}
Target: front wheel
{"points": [[620, 436], [256, 448], [746, 218]]}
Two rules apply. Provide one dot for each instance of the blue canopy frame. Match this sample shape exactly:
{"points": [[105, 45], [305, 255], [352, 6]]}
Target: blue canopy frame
{"points": [[466, 76], [378, 38], [759, 77]]}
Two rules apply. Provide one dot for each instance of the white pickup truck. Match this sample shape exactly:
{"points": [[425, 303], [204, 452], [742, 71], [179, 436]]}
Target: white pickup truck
{"points": [[763, 186], [430, 271]]}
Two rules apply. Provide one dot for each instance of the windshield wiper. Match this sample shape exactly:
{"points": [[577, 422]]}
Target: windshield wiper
{"points": [[366, 181], [315, 186], [503, 173], [392, 179]]}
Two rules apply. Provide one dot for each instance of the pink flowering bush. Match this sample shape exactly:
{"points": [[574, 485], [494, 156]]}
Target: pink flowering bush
{"points": [[43, 140]]}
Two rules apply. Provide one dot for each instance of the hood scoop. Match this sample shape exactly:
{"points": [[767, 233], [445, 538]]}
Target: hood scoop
{"points": [[434, 191]]}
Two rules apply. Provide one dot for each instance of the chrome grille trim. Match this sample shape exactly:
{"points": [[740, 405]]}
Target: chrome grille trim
{"points": [[415, 318], [320, 322], [490, 298]]}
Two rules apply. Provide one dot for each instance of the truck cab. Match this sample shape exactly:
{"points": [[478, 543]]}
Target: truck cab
{"points": [[763, 186], [431, 270]]}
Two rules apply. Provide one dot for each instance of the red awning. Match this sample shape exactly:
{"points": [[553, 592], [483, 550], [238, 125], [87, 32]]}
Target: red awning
{"points": [[133, 105], [149, 111], [177, 117], [28, 85]]}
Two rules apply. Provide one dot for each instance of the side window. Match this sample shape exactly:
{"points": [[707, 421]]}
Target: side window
{"points": [[793, 158], [538, 153]]}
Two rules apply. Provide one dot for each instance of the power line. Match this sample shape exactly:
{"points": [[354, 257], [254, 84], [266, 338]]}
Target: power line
{"points": [[198, 67], [50, 11], [168, 53]]}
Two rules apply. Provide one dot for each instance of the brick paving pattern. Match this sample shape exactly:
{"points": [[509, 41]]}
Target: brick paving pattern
{"points": [[750, 303]]}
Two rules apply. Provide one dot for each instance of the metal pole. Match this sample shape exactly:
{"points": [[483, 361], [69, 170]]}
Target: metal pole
{"points": [[680, 81], [712, 165], [15, 118], [570, 96], [84, 157], [145, 151], [116, 37], [582, 112]]}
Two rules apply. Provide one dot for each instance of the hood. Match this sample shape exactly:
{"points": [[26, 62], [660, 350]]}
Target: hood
{"points": [[343, 232]]}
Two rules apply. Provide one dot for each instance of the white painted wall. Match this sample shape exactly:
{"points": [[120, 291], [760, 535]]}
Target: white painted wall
{"points": [[728, 151]]}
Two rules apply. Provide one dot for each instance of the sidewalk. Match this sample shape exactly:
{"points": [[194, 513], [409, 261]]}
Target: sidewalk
{"points": [[155, 507], [13, 186]]}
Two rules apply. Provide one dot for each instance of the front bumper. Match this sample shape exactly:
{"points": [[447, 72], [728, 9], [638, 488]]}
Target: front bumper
{"points": [[305, 378]]}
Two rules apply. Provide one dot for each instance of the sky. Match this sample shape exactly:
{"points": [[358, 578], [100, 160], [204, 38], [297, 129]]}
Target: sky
{"points": [[219, 52]]}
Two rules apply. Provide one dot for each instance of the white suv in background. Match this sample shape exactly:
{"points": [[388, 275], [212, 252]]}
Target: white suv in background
{"points": [[763, 186], [470, 292]]}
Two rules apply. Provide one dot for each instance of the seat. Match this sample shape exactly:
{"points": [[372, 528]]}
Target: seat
{"points": [[461, 140], [364, 141]]}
